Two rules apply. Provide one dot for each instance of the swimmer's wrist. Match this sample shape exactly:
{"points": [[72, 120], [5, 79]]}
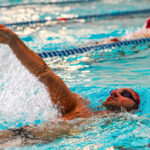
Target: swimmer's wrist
{"points": [[12, 38], [9, 41]]}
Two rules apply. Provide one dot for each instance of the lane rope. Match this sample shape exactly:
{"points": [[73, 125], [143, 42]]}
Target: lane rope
{"points": [[80, 50], [47, 3], [85, 17]]}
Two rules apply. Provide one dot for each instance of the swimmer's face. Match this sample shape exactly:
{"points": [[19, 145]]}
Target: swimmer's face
{"points": [[121, 98]]}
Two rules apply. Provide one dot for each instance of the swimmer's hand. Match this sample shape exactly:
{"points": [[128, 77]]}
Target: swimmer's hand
{"points": [[5, 34]]}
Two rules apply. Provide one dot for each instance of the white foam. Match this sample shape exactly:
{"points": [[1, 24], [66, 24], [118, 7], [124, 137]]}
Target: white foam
{"points": [[21, 94]]}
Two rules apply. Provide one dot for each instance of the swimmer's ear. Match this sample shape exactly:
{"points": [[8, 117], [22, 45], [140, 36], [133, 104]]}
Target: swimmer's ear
{"points": [[133, 109], [135, 106]]}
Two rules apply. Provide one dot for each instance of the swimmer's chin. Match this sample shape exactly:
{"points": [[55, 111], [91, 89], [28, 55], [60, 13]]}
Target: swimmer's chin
{"points": [[111, 107]]}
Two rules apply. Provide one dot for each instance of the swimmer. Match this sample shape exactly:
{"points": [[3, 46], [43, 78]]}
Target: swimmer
{"points": [[69, 104], [141, 33]]}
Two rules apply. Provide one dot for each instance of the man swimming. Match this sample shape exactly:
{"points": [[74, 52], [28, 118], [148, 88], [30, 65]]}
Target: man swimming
{"points": [[69, 104], [141, 33]]}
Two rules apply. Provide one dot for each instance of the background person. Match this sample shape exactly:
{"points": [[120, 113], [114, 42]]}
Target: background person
{"points": [[141, 33]]}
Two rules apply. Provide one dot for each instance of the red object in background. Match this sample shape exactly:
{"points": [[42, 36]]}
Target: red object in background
{"points": [[62, 19], [148, 23], [115, 40]]}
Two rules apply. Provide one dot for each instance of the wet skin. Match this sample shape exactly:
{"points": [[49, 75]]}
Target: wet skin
{"points": [[117, 101], [70, 104]]}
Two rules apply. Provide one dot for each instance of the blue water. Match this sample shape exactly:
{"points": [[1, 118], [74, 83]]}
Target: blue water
{"points": [[92, 75]]}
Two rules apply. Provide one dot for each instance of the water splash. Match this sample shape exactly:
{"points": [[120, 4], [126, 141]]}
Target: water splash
{"points": [[23, 99]]}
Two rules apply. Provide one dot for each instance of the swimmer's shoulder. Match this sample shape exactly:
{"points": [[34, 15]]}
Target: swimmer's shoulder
{"points": [[81, 109]]}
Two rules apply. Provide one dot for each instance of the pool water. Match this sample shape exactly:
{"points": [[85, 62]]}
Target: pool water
{"points": [[92, 75]]}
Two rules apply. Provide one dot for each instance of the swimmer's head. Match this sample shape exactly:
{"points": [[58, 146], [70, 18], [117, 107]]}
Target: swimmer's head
{"points": [[122, 98], [114, 39], [147, 26]]}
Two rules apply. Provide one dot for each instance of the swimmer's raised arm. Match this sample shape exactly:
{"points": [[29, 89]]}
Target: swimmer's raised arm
{"points": [[60, 94]]}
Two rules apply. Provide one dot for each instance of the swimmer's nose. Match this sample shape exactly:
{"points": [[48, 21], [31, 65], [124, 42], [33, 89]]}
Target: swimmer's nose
{"points": [[115, 93]]}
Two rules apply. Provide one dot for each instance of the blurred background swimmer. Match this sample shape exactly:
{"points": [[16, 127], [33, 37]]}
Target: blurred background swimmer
{"points": [[141, 33]]}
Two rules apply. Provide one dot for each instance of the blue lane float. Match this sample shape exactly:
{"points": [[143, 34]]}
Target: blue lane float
{"points": [[74, 51], [83, 17], [47, 3]]}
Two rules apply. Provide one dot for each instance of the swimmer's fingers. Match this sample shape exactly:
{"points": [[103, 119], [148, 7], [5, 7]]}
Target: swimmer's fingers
{"points": [[5, 34], [2, 26]]}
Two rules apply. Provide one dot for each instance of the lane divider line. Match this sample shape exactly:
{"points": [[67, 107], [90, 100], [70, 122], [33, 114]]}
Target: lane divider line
{"points": [[85, 17], [48, 3], [74, 51]]}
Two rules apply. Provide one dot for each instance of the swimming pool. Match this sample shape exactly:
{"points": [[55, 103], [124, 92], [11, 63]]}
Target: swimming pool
{"points": [[92, 74]]}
